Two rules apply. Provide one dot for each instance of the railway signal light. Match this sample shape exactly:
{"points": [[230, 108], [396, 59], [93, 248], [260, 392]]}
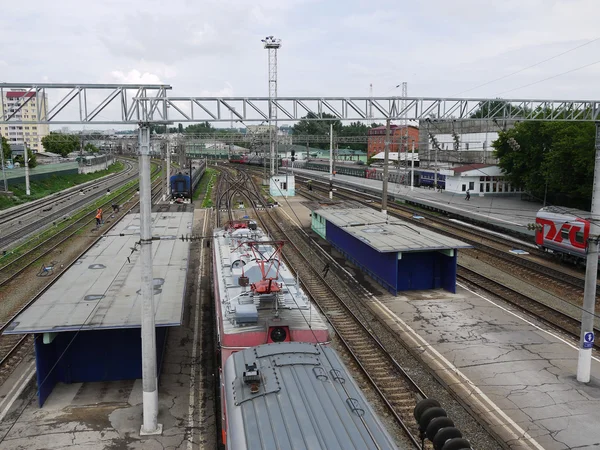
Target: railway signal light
{"points": [[435, 425]]}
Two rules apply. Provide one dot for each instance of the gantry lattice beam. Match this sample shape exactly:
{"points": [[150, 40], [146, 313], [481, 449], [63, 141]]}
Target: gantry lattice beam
{"points": [[131, 104], [85, 103], [256, 109]]}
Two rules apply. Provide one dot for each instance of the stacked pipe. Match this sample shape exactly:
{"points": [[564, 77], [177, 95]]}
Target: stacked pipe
{"points": [[435, 425]]}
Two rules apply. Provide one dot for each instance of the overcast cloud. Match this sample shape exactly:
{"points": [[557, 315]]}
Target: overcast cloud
{"points": [[212, 47]]}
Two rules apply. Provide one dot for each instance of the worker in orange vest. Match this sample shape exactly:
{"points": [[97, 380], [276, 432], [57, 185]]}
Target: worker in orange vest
{"points": [[99, 217]]}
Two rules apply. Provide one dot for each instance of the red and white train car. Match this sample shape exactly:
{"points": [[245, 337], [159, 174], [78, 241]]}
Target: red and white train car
{"points": [[563, 230], [258, 299]]}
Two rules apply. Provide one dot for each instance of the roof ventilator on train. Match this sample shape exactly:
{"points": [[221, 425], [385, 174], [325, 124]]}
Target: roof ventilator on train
{"points": [[252, 377]]}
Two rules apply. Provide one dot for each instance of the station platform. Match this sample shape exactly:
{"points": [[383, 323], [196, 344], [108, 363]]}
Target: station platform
{"points": [[511, 371], [108, 414], [506, 213]]}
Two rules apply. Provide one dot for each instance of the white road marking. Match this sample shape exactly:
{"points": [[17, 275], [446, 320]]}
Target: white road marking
{"points": [[19, 386], [193, 386]]}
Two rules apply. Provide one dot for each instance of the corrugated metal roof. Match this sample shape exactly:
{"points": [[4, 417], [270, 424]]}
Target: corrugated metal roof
{"points": [[102, 289], [306, 399], [388, 234]]}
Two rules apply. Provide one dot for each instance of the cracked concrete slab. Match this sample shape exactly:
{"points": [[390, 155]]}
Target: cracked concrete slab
{"points": [[521, 371]]}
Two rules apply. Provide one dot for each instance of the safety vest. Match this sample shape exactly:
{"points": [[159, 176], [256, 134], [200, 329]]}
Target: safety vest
{"points": [[99, 214]]}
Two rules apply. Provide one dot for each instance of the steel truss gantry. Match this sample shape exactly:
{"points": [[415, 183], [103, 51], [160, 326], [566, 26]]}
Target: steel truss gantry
{"points": [[87, 103], [113, 104], [195, 109]]}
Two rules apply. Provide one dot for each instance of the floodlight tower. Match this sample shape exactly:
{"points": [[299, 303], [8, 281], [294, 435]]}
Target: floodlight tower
{"points": [[272, 45]]}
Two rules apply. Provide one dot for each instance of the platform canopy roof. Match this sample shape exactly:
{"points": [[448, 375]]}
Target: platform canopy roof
{"points": [[387, 234], [102, 290]]}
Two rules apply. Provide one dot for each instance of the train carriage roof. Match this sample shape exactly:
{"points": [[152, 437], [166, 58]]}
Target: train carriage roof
{"points": [[548, 211], [297, 396]]}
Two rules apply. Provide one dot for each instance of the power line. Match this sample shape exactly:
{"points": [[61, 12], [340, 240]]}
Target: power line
{"points": [[529, 67], [549, 78]]}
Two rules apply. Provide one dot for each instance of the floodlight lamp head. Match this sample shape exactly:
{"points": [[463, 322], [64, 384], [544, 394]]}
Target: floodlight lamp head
{"points": [[271, 43]]}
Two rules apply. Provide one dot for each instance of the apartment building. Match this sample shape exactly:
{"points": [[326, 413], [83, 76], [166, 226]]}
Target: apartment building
{"points": [[23, 131]]}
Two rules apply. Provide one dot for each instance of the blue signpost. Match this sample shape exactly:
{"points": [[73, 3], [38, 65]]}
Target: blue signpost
{"points": [[588, 340]]}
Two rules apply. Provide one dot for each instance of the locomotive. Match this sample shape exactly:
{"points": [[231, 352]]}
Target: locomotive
{"points": [[264, 318], [180, 187], [564, 231]]}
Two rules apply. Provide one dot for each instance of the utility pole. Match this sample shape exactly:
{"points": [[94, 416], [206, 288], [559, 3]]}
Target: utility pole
{"points": [[412, 166], [371, 102], [272, 45], [404, 139], [385, 166], [586, 341], [437, 146], [168, 149], [331, 161], [3, 165], [26, 159], [150, 425]]}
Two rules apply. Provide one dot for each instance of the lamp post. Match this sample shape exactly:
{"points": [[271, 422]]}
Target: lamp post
{"points": [[272, 45]]}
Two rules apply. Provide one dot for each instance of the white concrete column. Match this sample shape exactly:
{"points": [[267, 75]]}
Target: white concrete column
{"points": [[586, 340], [150, 425]]}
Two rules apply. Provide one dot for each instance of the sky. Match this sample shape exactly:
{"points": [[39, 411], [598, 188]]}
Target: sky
{"points": [[329, 47]]}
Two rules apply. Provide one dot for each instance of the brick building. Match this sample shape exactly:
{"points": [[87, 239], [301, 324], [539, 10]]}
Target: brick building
{"points": [[376, 139]]}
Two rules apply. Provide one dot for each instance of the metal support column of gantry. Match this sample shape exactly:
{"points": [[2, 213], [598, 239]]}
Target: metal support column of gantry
{"points": [[272, 45], [150, 425], [586, 340]]}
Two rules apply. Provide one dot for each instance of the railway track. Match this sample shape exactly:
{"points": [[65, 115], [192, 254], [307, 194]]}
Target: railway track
{"points": [[32, 217], [49, 241], [395, 387]]}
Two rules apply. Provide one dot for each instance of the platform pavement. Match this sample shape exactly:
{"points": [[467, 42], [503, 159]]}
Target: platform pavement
{"points": [[514, 373], [503, 211]]}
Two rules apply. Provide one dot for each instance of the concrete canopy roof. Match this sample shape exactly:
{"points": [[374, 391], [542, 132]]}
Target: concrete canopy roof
{"points": [[388, 234], [102, 290]]}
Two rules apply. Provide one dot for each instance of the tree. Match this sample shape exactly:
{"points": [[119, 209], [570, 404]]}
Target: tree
{"points": [[6, 149], [553, 158], [91, 148], [200, 128], [32, 162], [60, 143], [318, 127], [356, 129], [496, 108]]}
